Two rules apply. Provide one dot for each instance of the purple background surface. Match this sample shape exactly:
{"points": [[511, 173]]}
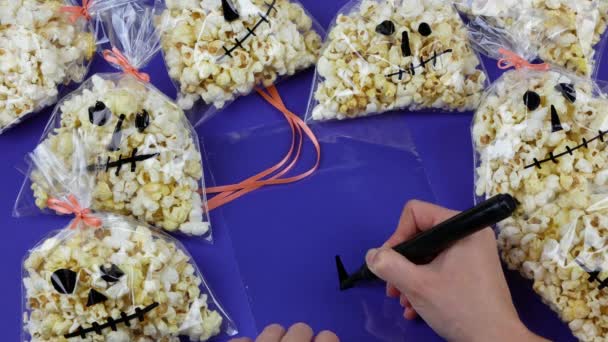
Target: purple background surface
{"points": [[272, 260]]}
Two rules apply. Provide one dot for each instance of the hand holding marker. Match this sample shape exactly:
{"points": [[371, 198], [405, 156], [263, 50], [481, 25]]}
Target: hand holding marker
{"points": [[424, 247]]}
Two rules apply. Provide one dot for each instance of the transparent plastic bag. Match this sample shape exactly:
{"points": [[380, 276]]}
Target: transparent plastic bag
{"points": [[123, 281], [363, 186], [541, 137], [219, 50], [383, 55], [43, 46], [122, 146], [569, 34]]}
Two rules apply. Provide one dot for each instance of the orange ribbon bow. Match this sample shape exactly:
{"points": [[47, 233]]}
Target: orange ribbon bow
{"points": [[512, 60], [116, 57], [73, 207], [78, 11], [229, 193]]}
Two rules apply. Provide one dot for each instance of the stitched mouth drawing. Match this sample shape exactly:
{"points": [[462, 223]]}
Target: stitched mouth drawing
{"points": [[230, 14], [118, 164], [569, 150], [412, 69], [112, 323]]}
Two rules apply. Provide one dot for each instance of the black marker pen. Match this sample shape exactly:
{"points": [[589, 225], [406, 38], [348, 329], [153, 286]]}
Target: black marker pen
{"points": [[424, 247]]}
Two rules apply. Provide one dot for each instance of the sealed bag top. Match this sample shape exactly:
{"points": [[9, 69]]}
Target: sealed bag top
{"points": [[40, 49], [122, 146], [564, 33], [541, 137], [219, 50], [121, 281], [388, 55]]}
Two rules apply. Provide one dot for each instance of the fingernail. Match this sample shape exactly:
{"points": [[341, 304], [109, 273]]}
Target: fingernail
{"points": [[370, 258]]}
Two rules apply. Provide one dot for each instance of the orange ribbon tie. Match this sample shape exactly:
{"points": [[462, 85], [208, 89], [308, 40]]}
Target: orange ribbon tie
{"points": [[77, 12], [116, 57], [512, 60], [73, 207], [229, 193]]}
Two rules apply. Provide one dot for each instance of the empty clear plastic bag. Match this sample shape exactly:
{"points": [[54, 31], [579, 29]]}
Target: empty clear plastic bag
{"points": [[43, 46], [541, 137], [569, 34], [122, 281], [121, 145], [219, 50], [364, 187], [383, 55]]}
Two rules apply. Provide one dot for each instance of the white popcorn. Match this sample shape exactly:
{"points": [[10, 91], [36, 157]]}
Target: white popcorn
{"points": [[562, 32], [203, 58], [180, 308], [550, 159], [118, 290], [381, 57], [118, 336], [40, 49], [82, 154]]}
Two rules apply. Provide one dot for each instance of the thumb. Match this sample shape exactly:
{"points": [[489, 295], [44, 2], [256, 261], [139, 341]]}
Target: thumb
{"points": [[395, 269]]}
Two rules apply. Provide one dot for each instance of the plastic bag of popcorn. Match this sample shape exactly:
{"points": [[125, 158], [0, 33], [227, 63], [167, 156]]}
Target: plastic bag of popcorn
{"points": [[110, 278], [542, 136], [219, 50], [43, 45], [569, 34], [120, 141], [386, 55]]}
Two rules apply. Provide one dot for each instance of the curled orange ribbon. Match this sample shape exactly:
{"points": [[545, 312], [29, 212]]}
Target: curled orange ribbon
{"points": [[77, 12], [512, 60], [229, 193], [71, 206], [116, 57]]}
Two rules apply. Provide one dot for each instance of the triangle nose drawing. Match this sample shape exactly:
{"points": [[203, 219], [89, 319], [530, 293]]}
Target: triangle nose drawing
{"points": [[95, 298], [556, 124]]}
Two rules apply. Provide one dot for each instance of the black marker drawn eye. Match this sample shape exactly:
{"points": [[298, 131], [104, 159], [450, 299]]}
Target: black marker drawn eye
{"points": [[230, 13], [425, 29], [64, 281], [386, 28], [532, 100], [568, 91], [99, 114], [142, 121], [111, 274]]}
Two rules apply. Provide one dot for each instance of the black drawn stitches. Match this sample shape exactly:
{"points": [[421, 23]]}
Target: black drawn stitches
{"points": [[251, 31], [112, 323], [412, 69], [122, 161], [569, 150], [593, 275]]}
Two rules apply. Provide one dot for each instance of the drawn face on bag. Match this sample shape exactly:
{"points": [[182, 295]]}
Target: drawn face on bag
{"points": [[116, 283], [219, 50], [381, 57], [542, 137], [138, 148]]}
